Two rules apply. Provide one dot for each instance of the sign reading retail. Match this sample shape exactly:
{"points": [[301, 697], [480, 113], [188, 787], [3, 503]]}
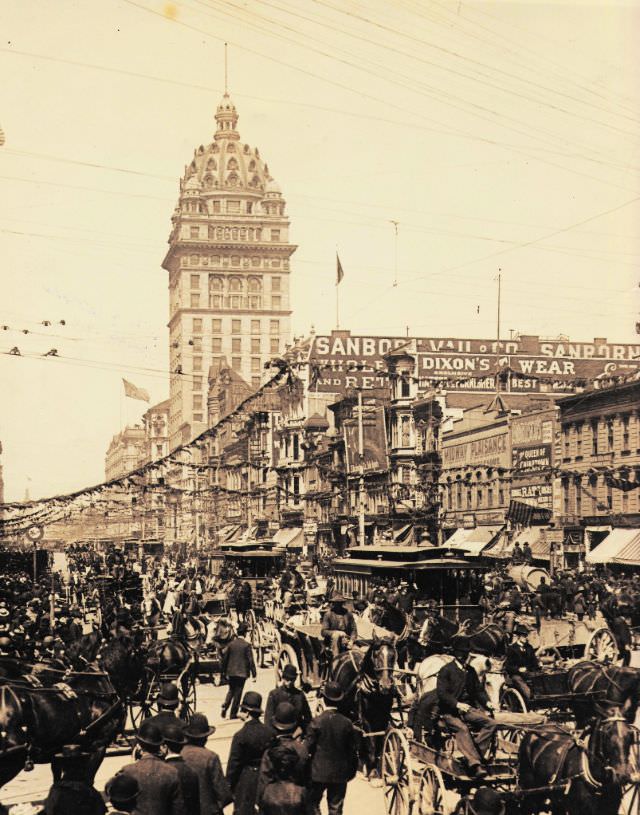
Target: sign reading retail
{"points": [[342, 361]]}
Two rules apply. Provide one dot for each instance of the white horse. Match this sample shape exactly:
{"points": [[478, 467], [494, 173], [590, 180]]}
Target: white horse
{"points": [[489, 673]]}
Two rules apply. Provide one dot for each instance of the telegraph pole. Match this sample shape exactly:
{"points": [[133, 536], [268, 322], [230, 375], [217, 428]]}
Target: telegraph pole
{"points": [[361, 531]]}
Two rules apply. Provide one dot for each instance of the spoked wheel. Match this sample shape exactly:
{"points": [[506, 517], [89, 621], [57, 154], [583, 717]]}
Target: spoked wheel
{"points": [[250, 618], [431, 793], [630, 804], [287, 656], [189, 699], [397, 773], [602, 647], [512, 700], [257, 643], [138, 712]]}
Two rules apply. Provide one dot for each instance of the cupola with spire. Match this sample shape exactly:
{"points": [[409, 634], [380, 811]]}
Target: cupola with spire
{"points": [[227, 119]]}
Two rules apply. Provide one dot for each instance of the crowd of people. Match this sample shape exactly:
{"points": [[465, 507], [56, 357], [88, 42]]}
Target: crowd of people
{"points": [[283, 759]]}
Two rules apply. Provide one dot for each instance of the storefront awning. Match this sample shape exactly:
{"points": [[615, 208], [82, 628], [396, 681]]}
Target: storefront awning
{"points": [[403, 534], [611, 548], [630, 554], [289, 538], [472, 541]]}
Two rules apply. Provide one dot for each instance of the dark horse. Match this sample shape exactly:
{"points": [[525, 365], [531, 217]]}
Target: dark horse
{"points": [[612, 686], [366, 679], [575, 777], [437, 631], [38, 721]]}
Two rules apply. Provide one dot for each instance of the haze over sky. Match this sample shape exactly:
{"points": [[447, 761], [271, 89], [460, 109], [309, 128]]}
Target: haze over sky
{"points": [[497, 134]]}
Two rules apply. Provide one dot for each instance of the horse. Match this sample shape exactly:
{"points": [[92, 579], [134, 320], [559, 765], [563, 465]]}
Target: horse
{"points": [[617, 686], [437, 631], [586, 777], [365, 676], [38, 721], [83, 651], [123, 659]]}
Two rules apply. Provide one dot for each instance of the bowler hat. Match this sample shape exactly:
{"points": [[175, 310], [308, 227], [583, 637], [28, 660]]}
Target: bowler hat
{"points": [[252, 702], [289, 672], [169, 695], [461, 646], [149, 735], [285, 717], [122, 789], [487, 802], [173, 733], [337, 598], [521, 629], [332, 692], [198, 727]]}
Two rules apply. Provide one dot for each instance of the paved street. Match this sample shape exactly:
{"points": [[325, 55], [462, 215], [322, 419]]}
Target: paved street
{"points": [[33, 786]]}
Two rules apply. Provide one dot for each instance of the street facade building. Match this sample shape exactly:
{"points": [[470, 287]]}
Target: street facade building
{"points": [[126, 452], [229, 264], [598, 491]]}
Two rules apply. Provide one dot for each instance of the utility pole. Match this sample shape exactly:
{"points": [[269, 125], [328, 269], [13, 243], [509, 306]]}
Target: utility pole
{"points": [[361, 532], [248, 481]]}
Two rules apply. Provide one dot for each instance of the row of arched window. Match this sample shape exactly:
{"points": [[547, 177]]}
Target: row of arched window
{"points": [[235, 284]]}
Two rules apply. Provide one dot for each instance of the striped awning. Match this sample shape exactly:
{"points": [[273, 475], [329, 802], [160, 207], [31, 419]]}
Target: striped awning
{"points": [[289, 538], [617, 542], [472, 541], [630, 554]]}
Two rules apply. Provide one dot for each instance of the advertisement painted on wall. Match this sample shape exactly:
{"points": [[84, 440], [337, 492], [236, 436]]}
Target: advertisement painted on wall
{"points": [[532, 442], [341, 361], [490, 451]]}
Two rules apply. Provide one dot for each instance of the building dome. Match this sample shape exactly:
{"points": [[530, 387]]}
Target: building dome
{"points": [[227, 165]]}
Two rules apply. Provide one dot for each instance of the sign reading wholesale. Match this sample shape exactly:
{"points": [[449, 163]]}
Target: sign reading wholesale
{"points": [[470, 365]]}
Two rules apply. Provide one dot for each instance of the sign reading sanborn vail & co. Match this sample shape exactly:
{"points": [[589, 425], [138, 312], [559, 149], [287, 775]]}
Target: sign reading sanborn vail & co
{"points": [[471, 365]]}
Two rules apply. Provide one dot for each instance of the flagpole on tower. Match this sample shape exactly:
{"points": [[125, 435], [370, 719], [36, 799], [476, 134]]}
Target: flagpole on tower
{"points": [[339, 276]]}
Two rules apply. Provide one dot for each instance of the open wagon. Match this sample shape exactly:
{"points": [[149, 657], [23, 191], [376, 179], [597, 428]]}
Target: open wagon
{"points": [[423, 779], [549, 692], [216, 608]]}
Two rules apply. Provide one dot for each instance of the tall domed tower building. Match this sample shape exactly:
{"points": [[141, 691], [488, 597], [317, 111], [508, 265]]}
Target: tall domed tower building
{"points": [[228, 264]]}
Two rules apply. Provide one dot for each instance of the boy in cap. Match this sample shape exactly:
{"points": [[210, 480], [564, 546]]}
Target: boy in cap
{"points": [[160, 792], [247, 748], [213, 789], [287, 692], [331, 741]]}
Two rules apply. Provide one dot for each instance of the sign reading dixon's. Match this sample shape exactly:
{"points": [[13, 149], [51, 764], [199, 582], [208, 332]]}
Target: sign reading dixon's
{"points": [[470, 365]]}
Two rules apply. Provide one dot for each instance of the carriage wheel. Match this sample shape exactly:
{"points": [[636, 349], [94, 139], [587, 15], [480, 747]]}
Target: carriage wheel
{"points": [[431, 793], [189, 699], [397, 773], [630, 804], [287, 656], [250, 618], [138, 712], [512, 700], [602, 646], [257, 643]]}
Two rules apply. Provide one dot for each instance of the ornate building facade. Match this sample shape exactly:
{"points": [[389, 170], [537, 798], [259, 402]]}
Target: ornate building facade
{"points": [[228, 265]]}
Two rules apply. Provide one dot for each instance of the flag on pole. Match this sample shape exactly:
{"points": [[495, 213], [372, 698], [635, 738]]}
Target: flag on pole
{"points": [[133, 392], [339, 270], [1, 137]]}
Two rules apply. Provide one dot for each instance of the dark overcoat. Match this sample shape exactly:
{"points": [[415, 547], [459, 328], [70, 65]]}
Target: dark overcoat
{"points": [[331, 741], [237, 659], [215, 793], [159, 784], [247, 748]]}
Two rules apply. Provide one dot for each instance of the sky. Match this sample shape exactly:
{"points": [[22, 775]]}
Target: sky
{"points": [[502, 137]]}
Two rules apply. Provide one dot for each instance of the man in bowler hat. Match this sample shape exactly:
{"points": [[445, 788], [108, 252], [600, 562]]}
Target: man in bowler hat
{"points": [[237, 665], [168, 701], [331, 741], [247, 748], [213, 788], [287, 692]]}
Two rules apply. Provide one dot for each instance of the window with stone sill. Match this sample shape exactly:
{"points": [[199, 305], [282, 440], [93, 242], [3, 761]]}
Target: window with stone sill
{"points": [[255, 381], [215, 301], [197, 383], [195, 301], [274, 326], [255, 345], [195, 281], [235, 284], [194, 232], [236, 345], [274, 346], [197, 417], [216, 345], [275, 284], [196, 325], [197, 363], [236, 326], [216, 326], [255, 326], [276, 302]]}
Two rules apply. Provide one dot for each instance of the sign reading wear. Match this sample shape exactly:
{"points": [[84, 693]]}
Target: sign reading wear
{"points": [[469, 365]]}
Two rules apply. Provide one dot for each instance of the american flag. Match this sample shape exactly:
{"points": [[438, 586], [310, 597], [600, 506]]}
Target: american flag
{"points": [[1, 137]]}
